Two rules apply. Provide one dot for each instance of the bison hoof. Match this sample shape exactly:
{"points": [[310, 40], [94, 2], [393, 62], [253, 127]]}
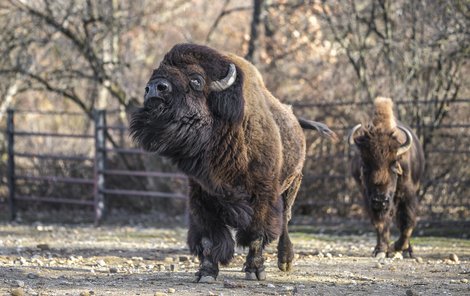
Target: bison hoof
{"points": [[285, 266], [206, 276], [205, 279], [396, 255], [380, 255], [253, 276], [408, 253]]}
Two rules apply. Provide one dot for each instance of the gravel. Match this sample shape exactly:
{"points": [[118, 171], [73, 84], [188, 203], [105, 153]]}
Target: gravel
{"points": [[137, 260]]}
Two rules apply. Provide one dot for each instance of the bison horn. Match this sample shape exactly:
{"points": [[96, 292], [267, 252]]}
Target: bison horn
{"points": [[407, 145], [225, 82], [351, 134]]}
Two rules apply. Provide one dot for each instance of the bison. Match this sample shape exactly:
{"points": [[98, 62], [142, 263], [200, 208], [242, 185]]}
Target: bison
{"points": [[388, 170], [242, 149]]}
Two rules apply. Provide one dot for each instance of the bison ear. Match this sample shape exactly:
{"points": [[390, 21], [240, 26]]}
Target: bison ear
{"points": [[361, 141], [228, 104]]}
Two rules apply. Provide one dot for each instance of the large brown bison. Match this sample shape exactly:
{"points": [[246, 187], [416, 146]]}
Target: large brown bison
{"points": [[388, 169], [242, 149]]}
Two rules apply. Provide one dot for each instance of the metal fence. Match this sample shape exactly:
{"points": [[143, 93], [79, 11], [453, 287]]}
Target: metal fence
{"points": [[327, 187], [100, 192]]}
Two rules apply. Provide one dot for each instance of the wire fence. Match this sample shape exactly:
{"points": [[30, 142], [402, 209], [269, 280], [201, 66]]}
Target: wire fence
{"points": [[112, 169]]}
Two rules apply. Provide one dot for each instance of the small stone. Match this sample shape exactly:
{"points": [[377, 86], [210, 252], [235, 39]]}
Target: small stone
{"points": [[38, 262], [329, 256], [171, 290], [448, 261], [168, 260], [72, 258], [320, 255], [453, 257], [288, 288], [32, 276], [17, 292], [398, 256], [183, 258], [409, 292], [101, 262], [270, 286], [43, 247], [231, 285], [464, 281], [173, 267], [113, 270], [419, 260], [378, 265], [85, 293], [381, 255], [161, 267], [31, 292], [19, 283]]}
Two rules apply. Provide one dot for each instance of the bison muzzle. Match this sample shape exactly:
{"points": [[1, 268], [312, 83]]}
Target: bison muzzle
{"points": [[242, 149], [388, 170]]}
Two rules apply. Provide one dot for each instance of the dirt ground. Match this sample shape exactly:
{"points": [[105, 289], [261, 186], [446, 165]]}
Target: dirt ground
{"points": [[57, 259]]}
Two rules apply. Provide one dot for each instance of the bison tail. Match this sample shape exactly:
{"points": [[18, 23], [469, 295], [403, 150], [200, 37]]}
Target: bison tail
{"points": [[322, 128]]}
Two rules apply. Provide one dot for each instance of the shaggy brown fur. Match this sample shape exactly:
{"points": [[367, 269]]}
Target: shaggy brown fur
{"points": [[389, 181], [242, 149]]}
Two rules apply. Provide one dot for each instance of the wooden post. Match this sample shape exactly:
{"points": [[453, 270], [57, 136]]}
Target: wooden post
{"points": [[100, 164], [11, 162]]}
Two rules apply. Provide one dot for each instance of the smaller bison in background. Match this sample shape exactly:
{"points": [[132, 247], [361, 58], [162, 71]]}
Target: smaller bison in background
{"points": [[242, 149], [388, 170]]}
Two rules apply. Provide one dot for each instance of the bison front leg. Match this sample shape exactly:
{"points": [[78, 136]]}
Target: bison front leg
{"points": [[254, 265], [212, 247], [382, 228], [208, 236], [265, 227], [208, 269], [406, 221]]}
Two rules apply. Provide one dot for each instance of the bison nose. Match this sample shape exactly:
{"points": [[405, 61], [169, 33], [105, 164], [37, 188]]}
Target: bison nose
{"points": [[380, 202], [157, 89]]}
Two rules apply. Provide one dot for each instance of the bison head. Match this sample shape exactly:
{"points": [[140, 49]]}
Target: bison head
{"points": [[194, 89], [381, 146]]}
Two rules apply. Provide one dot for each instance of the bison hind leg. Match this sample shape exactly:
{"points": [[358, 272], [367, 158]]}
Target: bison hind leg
{"points": [[285, 248]]}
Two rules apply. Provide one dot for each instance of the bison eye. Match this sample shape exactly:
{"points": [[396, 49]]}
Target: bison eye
{"points": [[197, 82]]}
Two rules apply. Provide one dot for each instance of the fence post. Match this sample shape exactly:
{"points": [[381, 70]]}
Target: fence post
{"points": [[100, 163], [11, 162]]}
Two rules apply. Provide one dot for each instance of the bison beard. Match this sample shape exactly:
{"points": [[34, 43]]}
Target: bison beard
{"points": [[242, 149], [388, 170]]}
